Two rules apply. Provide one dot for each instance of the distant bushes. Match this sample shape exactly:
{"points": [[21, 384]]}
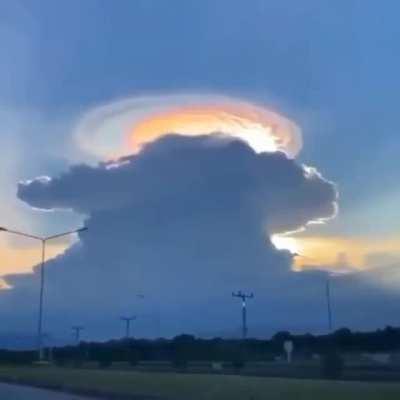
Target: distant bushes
{"points": [[17, 357], [60, 362], [77, 363], [332, 365], [180, 364], [182, 347], [238, 365], [105, 363], [133, 357], [104, 358]]}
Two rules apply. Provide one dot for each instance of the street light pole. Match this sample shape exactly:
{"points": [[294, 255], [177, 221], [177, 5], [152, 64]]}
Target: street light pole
{"points": [[77, 330], [243, 297], [127, 321], [328, 303], [40, 318], [43, 241], [327, 294]]}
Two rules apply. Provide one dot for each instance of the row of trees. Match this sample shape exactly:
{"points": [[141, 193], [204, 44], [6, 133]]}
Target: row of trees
{"points": [[187, 347]]}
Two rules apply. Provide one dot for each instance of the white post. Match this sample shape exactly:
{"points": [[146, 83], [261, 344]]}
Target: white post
{"points": [[288, 347]]}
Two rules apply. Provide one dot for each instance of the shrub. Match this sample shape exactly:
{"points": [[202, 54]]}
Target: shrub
{"points": [[105, 363], [60, 362], [332, 365], [104, 359], [180, 363], [77, 363], [133, 358], [238, 365]]}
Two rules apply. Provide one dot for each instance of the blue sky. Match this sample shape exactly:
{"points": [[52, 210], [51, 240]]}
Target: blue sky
{"points": [[332, 67]]}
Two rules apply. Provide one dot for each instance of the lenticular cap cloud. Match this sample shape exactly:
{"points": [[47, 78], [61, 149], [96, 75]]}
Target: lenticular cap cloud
{"points": [[122, 127]]}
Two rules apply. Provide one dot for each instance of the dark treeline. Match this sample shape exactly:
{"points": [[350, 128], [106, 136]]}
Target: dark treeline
{"points": [[16, 357], [184, 348], [187, 347]]}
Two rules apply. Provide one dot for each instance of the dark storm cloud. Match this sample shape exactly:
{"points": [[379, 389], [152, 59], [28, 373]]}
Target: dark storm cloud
{"points": [[182, 177], [185, 222]]}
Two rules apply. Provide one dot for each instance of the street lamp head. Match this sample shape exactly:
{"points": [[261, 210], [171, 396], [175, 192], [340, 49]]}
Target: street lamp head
{"points": [[130, 318], [2, 229], [83, 229]]}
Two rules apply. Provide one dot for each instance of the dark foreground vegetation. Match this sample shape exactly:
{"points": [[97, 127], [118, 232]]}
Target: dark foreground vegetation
{"points": [[341, 355]]}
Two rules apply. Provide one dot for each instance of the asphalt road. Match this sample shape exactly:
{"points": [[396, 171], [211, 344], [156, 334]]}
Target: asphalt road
{"points": [[13, 392]]}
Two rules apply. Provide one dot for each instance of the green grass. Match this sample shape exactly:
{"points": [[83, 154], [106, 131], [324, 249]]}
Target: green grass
{"points": [[203, 387]]}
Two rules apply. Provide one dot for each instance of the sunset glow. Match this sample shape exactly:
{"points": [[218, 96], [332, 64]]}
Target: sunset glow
{"points": [[18, 260], [341, 253]]}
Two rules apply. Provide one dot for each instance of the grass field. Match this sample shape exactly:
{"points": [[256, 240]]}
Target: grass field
{"points": [[202, 387]]}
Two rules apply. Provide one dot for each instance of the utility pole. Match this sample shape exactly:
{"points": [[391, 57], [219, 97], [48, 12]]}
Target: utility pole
{"points": [[78, 330], [328, 304], [243, 297], [127, 321]]}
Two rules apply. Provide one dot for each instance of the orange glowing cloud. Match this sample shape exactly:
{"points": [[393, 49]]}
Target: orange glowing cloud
{"points": [[262, 129], [338, 253], [18, 260]]}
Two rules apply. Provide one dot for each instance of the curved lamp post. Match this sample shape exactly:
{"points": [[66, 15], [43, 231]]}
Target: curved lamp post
{"points": [[43, 241]]}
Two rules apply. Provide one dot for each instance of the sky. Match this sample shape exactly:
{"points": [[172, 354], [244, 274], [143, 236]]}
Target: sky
{"points": [[85, 83]]}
